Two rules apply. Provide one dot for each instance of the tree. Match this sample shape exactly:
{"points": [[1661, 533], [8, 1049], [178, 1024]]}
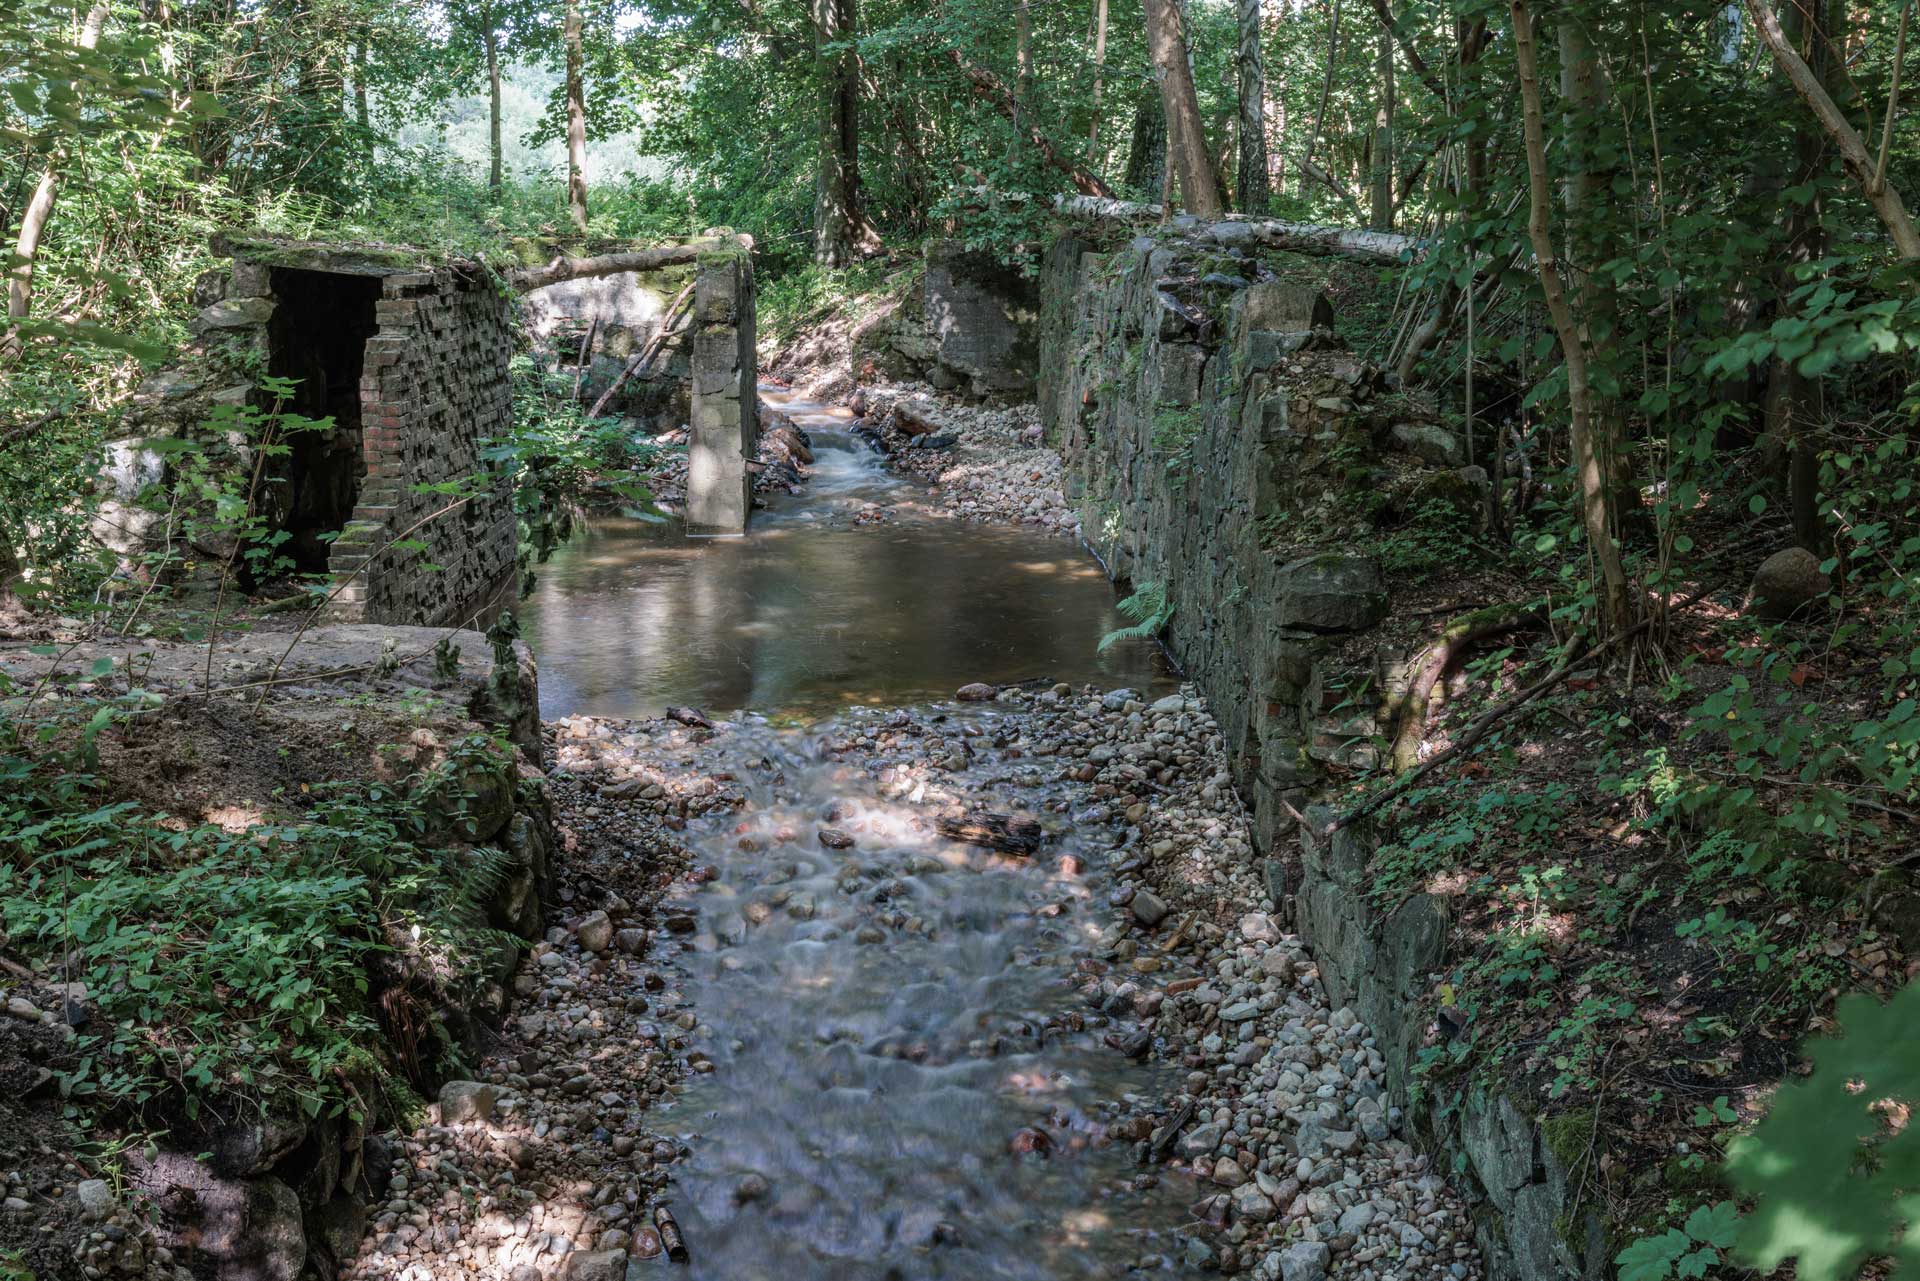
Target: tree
{"points": [[1616, 610], [1381, 178], [1186, 136], [1253, 181], [1884, 198], [39, 210], [576, 120], [840, 228]]}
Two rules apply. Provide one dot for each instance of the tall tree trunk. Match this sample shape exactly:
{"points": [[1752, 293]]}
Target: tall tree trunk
{"points": [[1099, 71], [1023, 52], [1592, 237], [1381, 179], [1186, 137], [495, 176], [39, 211], [576, 120], [838, 227], [1147, 146], [1793, 400], [361, 115], [1616, 608], [1253, 186]]}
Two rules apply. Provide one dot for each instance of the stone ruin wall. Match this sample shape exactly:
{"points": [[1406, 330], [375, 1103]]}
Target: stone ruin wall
{"points": [[1219, 442], [434, 388]]}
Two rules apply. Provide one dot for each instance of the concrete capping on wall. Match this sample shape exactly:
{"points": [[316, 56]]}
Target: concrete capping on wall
{"points": [[725, 373]]}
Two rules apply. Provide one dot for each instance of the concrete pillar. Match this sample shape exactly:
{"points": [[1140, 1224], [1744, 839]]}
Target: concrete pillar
{"points": [[725, 374]]}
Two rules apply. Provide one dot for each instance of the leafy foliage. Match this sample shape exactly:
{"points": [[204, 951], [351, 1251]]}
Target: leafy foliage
{"points": [[1834, 1166], [1150, 611]]}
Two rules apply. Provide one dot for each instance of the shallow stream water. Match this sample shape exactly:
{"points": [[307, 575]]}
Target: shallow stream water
{"points": [[810, 612], [892, 1023], [889, 1023]]}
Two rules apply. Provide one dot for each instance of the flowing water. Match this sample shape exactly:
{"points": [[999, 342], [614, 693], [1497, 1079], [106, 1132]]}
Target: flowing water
{"points": [[894, 1020], [809, 611], [890, 1023]]}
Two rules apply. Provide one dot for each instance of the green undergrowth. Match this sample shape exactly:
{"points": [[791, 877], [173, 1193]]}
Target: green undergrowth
{"points": [[1656, 890], [247, 963], [787, 302]]}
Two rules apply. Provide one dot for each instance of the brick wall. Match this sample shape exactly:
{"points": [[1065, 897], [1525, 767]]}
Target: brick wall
{"points": [[433, 390]]}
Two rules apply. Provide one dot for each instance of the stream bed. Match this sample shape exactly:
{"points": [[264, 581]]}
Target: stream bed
{"points": [[966, 984], [811, 611], [905, 1083]]}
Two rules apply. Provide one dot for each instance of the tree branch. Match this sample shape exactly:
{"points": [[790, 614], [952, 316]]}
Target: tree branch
{"points": [[990, 87], [1853, 152]]}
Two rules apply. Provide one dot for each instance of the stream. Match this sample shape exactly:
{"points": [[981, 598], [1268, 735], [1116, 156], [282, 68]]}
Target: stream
{"points": [[905, 1082], [810, 612]]}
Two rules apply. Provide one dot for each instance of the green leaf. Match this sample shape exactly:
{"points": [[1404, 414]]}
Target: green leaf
{"points": [[1653, 1258], [1716, 1225]]}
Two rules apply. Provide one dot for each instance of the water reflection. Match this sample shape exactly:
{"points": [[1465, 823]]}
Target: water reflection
{"points": [[812, 611]]}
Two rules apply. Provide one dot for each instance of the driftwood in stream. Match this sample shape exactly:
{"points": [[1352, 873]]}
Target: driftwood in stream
{"points": [[1001, 832]]}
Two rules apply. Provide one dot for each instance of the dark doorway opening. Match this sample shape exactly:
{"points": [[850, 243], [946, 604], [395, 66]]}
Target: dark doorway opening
{"points": [[319, 338]]}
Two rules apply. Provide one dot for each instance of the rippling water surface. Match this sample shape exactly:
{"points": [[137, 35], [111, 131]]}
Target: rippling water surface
{"points": [[809, 611], [886, 1019]]}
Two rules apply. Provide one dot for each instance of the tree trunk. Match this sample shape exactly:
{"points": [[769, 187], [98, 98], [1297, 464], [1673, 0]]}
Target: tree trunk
{"points": [[576, 120], [1099, 70], [1255, 190], [361, 115], [39, 211], [495, 175], [1147, 148], [1377, 247], [1381, 215], [1616, 609], [1885, 200], [1793, 401], [839, 226], [523, 279], [1023, 51], [1591, 238], [1186, 136]]}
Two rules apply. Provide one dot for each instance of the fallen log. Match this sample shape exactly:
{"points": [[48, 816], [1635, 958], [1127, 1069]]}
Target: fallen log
{"points": [[524, 279], [1003, 833], [1295, 237]]}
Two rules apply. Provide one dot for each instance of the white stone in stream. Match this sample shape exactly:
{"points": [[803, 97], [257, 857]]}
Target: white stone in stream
{"points": [[467, 1101], [1305, 1261], [1171, 703], [595, 932], [1258, 927]]}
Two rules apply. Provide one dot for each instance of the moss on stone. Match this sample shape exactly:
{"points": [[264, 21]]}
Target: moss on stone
{"points": [[1569, 1136]]}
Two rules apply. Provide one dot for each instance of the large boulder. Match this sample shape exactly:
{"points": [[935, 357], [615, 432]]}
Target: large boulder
{"points": [[1330, 593], [241, 1229], [1787, 582]]}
